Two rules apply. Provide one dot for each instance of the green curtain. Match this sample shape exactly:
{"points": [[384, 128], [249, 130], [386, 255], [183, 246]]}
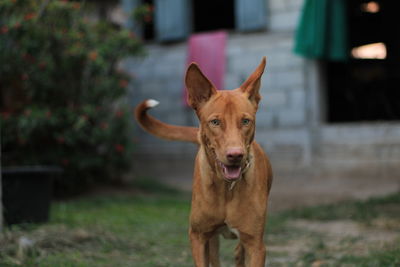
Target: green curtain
{"points": [[323, 30]]}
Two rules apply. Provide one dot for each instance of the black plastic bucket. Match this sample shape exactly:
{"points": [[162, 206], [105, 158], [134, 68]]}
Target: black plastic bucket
{"points": [[27, 193]]}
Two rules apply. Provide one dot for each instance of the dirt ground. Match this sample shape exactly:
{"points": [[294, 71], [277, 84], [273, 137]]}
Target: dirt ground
{"points": [[324, 243], [317, 243], [342, 234]]}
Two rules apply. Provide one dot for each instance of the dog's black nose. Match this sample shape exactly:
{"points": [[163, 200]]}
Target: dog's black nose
{"points": [[234, 154]]}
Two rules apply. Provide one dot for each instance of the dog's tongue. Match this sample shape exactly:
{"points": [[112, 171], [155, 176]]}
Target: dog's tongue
{"points": [[232, 172]]}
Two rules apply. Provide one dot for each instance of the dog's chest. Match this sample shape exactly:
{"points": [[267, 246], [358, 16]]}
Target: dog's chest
{"points": [[219, 206]]}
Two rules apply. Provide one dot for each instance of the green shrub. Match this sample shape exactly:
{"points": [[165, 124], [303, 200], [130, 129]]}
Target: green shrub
{"points": [[62, 92]]}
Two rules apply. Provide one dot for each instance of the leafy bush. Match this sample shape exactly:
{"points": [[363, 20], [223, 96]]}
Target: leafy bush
{"points": [[62, 92]]}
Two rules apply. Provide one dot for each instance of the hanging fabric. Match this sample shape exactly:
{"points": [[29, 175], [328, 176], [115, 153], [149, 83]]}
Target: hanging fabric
{"points": [[323, 30], [208, 51]]}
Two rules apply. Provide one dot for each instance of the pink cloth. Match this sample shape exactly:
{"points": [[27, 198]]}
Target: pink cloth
{"points": [[208, 51]]}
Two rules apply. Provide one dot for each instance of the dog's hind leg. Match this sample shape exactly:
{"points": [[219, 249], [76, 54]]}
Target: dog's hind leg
{"points": [[213, 246], [239, 255]]}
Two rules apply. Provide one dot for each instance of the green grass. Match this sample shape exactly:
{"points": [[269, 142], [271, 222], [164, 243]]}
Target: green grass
{"points": [[140, 230], [389, 257], [361, 211], [150, 229]]}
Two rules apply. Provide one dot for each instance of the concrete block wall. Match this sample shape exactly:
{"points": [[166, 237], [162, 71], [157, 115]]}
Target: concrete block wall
{"points": [[290, 125], [361, 144], [284, 14]]}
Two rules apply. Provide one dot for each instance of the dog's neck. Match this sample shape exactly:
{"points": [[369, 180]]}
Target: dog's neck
{"points": [[211, 173]]}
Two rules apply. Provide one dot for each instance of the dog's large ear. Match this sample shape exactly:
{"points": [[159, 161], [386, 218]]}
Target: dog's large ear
{"points": [[252, 85], [200, 89]]}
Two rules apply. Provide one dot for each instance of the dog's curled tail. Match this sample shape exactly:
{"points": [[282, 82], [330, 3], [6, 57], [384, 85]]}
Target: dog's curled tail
{"points": [[161, 129]]}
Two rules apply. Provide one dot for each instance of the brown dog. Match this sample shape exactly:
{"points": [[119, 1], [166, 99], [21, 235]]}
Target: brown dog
{"points": [[232, 175]]}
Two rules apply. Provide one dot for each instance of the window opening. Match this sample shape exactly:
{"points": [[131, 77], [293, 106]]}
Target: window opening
{"points": [[209, 15], [148, 19]]}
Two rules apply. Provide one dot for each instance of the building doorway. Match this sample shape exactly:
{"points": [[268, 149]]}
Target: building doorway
{"points": [[367, 87]]}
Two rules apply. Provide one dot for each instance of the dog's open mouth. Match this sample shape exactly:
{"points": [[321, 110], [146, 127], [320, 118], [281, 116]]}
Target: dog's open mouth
{"points": [[231, 172]]}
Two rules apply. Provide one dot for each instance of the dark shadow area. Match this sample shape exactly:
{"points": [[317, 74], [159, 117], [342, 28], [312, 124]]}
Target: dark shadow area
{"points": [[367, 89], [213, 15]]}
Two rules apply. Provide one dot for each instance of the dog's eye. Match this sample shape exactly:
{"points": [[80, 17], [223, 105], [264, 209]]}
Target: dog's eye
{"points": [[246, 122], [215, 122]]}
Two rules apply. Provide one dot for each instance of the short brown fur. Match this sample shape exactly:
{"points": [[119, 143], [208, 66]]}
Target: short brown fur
{"points": [[226, 141]]}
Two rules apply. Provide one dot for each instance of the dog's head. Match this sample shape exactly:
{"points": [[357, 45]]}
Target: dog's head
{"points": [[227, 119]]}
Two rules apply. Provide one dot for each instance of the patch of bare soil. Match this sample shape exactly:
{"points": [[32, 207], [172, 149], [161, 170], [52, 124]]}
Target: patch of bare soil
{"points": [[327, 241], [17, 246]]}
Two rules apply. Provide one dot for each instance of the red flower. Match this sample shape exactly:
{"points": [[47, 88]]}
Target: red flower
{"points": [[17, 25], [48, 114], [21, 141], [5, 115], [104, 125], [29, 57], [150, 8], [123, 83], [29, 16], [93, 55], [4, 30], [119, 114], [76, 5], [65, 162], [24, 77], [27, 112], [42, 65], [119, 148], [147, 18], [60, 140]]}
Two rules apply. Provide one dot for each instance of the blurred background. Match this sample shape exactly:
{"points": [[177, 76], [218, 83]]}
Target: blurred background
{"points": [[71, 73], [329, 114]]}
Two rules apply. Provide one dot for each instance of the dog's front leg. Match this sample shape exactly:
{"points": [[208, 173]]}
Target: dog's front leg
{"points": [[255, 251], [200, 251]]}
